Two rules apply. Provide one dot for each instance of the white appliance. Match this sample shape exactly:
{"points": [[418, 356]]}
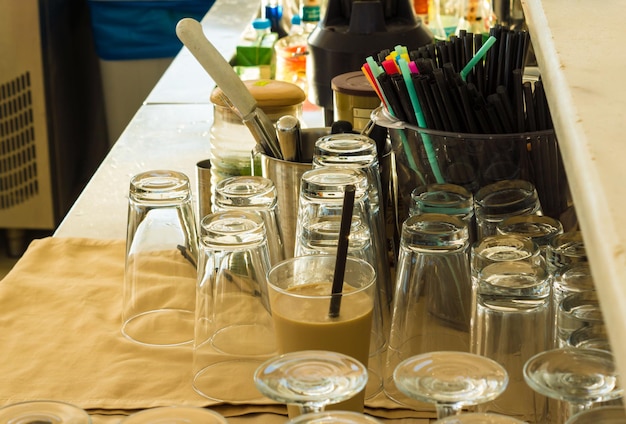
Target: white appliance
{"points": [[52, 127]]}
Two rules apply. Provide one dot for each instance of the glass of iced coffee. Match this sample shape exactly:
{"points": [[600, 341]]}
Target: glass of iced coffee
{"points": [[302, 303]]}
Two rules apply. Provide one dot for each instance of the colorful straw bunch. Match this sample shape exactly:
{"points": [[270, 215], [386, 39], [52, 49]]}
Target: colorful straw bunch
{"points": [[463, 85]]}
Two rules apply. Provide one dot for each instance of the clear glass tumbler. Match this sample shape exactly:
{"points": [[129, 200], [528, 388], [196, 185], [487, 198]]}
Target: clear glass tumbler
{"points": [[301, 297], [255, 194], [433, 302], [539, 228], [317, 232], [449, 199], [512, 320], [234, 333], [358, 151], [161, 253], [498, 201], [565, 250], [576, 311]]}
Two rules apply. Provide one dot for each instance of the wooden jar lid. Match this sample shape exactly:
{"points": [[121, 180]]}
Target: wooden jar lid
{"points": [[271, 95]]}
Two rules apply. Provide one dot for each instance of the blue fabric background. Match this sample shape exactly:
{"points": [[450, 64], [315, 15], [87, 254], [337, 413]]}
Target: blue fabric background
{"points": [[141, 29]]}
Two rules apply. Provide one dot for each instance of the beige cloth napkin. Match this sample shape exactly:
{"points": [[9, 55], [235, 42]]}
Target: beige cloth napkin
{"points": [[60, 321]]}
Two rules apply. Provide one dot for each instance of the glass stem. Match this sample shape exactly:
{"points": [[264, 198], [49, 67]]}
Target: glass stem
{"points": [[310, 408], [575, 408], [447, 410]]}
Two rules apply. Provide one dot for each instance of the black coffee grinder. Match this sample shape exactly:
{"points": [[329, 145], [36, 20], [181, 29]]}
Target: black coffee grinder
{"points": [[350, 32]]}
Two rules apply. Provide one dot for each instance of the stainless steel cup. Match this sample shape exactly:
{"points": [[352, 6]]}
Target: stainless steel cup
{"points": [[286, 176]]}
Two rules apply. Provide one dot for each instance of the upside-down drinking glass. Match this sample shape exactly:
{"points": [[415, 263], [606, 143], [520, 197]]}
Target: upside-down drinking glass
{"points": [[311, 379], [44, 411], [601, 414], [479, 418], [175, 415], [254, 194], [334, 417], [450, 380], [160, 266], [581, 377]]}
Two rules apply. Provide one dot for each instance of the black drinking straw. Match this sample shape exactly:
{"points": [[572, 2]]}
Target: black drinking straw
{"points": [[342, 250]]}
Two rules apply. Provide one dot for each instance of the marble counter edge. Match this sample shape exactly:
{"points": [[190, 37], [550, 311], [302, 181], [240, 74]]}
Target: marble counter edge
{"points": [[596, 196]]}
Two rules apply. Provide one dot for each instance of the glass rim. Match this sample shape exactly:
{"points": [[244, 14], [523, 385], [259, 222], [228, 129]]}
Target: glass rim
{"points": [[380, 117], [160, 187], [147, 413], [307, 258], [47, 406]]}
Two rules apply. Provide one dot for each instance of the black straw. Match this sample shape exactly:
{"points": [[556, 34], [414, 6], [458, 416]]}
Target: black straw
{"points": [[342, 250]]}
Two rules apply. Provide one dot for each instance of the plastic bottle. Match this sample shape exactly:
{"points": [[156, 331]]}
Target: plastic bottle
{"points": [[291, 52], [274, 12], [262, 27], [311, 14], [296, 25]]}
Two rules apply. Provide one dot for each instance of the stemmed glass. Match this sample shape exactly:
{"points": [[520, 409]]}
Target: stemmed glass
{"points": [[578, 376], [334, 417], [311, 379], [613, 414], [43, 411], [450, 380], [175, 415], [479, 418]]}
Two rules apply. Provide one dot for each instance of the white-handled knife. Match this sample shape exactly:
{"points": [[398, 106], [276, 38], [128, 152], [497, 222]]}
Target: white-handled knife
{"points": [[190, 32]]}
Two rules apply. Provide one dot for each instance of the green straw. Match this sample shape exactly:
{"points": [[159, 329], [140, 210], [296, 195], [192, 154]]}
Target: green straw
{"points": [[477, 57], [421, 121]]}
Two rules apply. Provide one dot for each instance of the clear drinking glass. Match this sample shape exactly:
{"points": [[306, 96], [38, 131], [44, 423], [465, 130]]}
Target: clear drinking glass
{"points": [[565, 250], [317, 232], [479, 418], [498, 201], [569, 280], [334, 417], [300, 297], [449, 199], [234, 333], [160, 266], [512, 319], [602, 414], [255, 194], [502, 248], [450, 380], [311, 379], [539, 228], [433, 302], [576, 311], [319, 213], [360, 152], [175, 415], [580, 377], [43, 411], [590, 336]]}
